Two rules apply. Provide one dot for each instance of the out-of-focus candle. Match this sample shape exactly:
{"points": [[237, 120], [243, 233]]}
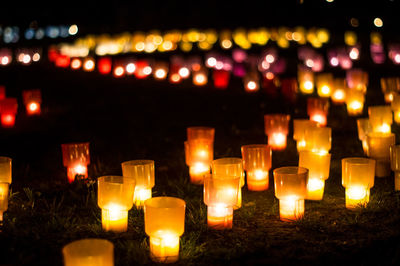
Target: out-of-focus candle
{"points": [[200, 77], [143, 173], [89, 252], [221, 78], [257, 160], [363, 127], [395, 165], [390, 86], [380, 118], [276, 128], [317, 109], [379, 149], [115, 198], [357, 79], [160, 71], [32, 100], [324, 82], [358, 179], [338, 95], [396, 107], [306, 80], [8, 111], [5, 169], [76, 158], [318, 139], [354, 102], [299, 132], [230, 167], [251, 81], [3, 199], [291, 190], [104, 65], [220, 196], [164, 219], [318, 164]]}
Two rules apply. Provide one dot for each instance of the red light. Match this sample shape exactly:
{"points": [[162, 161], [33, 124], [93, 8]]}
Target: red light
{"points": [[62, 61], [33, 108], [7, 120], [104, 65], [221, 78]]}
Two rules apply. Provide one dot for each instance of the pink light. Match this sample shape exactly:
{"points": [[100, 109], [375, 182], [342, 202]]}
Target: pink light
{"points": [[334, 61]]}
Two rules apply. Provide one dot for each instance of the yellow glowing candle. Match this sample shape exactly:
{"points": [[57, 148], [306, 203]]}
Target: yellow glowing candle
{"points": [[89, 252], [5, 170], [291, 189], [231, 168], [276, 128], [306, 80], [324, 84], [257, 162], [318, 164], [143, 172], [354, 102], [299, 129], [115, 198], [319, 139], [198, 171], [395, 164], [164, 219], [220, 196], [357, 178], [379, 149], [339, 91], [3, 199], [317, 109], [380, 118]]}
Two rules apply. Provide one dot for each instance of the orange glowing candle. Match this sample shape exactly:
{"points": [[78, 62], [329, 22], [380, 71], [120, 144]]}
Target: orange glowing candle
{"points": [[257, 160], [220, 196], [380, 118], [317, 109], [200, 77], [8, 111], [89, 252], [291, 190], [3, 199], [32, 100], [276, 128], [357, 79], [115, 198], [358, 179], [354, 102], [299, 132], [306, 80], [164, 219], [390, 86], [5, 169], [339, 91], [324, 82], [76, 158], [318, 139], [143, 173], [251, 82], [379, 149]]}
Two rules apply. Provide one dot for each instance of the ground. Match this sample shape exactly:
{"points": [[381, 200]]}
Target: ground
{"points": [[126, 119]]}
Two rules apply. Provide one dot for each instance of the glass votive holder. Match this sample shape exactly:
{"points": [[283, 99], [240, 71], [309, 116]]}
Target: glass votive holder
{"points": [[277, 129], [4, 192], [5, 169], [318, 139], [357, 178], [318, 165], [395, 165], [379, 149], [199, 154], [115, 198], [390, 86], [76, 158], [357, 79], [317, 109], [338, 95], [164, 219], [251, 81], [194, 133], [354, 102], [324, 82], [380, 118], [364, 127], [231, 167], [257, 160], [305, 77], [291, 190], [89, 252], [299, 132], [32, 101], [220, 196], [143, 173], [8, 111]]}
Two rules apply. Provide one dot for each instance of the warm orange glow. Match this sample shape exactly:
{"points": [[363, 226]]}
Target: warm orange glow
{"points": [[199, 79], [251, 85], [319, 118], [73, 29], [226, 44], [175, 78], [308, 86], [211, 62], [5, 60], [4, 192], [277, 141], [141, 195], [164, 246], [79, 169], [184, 72], [270, 75], [160, 73], [7, 120], [119, 71], [219, 217], [198, 171], [356, 196], [291, 208], [88, 64], [76, 63], [114, 218], [378, 22], [338, 96], [35, 57], [130, 68], [33, 108], [89, 252]]}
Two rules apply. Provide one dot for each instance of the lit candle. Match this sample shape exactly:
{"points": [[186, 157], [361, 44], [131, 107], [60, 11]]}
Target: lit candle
{"points": [[8, 111], [143, 173], [200, 77], [32, 100], [160, 71], [221, 78], [220, 196], [198, 171], [306, 80], [89, 252], [357, 79], [318, 164], [363, 127], [232, 168], [3, 199], [390, 86], [115, 198], [395, 165], [299, 130], [319, 139], [164, 219], [357, 178], [379, 149], [380, 118], [339, 91], [291, 189], [317, 109], [276, 128], [324, 84], [354, 102], [256, 163], [251, 81], [76, 158], [5, 170]]}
